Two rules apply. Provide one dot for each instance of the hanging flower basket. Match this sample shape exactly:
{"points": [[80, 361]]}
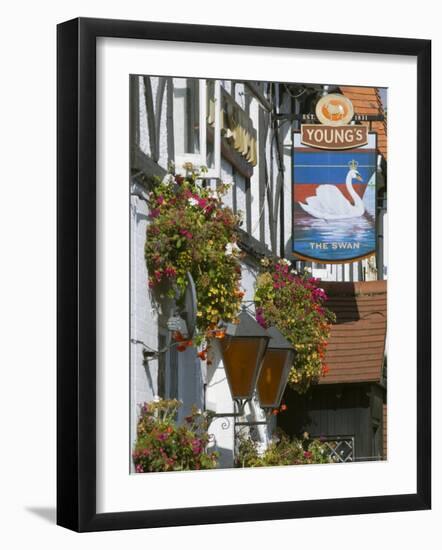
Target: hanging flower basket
{"points": [[295, 304], [191, 229]]}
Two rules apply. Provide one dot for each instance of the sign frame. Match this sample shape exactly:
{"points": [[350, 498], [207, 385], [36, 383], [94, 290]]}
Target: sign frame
{"points": [[306, 258]]}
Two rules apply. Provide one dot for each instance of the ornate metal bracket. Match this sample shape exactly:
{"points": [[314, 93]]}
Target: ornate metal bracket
{"points": [[238, 410]]}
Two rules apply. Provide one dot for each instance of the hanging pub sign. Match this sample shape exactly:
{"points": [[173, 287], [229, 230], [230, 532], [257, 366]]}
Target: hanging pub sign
{"points": [[334, 186]]}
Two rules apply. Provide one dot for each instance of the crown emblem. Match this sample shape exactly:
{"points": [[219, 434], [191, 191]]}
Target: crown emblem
{"points": [[353, 165]]}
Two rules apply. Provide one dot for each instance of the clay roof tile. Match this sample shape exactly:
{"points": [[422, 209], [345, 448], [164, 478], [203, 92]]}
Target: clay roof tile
{"points": [[366, 101], [355, 351]]}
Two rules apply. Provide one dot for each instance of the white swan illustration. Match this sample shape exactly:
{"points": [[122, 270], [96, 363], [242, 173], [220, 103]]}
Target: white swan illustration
{"points": [[330, 204]]}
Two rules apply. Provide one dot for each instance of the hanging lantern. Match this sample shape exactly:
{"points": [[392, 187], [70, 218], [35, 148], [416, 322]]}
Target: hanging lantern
{"points": [[275, 369], [243, 348]]}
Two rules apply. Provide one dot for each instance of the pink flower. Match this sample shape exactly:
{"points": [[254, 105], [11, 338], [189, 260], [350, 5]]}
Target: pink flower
{"points": [[319, 294], [139, 469], [202, 203], [196, 446], [308, 454], [170, 272], [186, 233], [160, 199], [154, 213], [260, 317]]}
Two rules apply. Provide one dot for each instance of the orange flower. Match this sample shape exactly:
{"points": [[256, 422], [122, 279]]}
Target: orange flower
{"points": [[220, 334], [202, 355], [275, 411], [181, 347]]}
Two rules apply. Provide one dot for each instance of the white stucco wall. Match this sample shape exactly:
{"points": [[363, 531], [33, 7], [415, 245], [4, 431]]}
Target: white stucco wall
{"points": [[143, 318]]}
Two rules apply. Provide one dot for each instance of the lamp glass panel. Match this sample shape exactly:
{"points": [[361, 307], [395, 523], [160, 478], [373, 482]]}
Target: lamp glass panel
{"points": [[271, 377], [241, 357]]}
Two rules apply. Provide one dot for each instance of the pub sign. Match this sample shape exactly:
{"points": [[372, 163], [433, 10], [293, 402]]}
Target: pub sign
{"points": [[334, 188]]}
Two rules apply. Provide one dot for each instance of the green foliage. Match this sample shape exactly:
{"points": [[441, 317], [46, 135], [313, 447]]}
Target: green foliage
{"points": [[192, 230], [295, 305], [282, 452], [163, 446]]}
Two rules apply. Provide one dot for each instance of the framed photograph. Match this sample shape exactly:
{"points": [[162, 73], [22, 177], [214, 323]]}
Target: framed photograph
{"points": [[243, 274]]}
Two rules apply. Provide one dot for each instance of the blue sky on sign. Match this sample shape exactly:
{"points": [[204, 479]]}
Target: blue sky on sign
{"points": [[331, 167]]}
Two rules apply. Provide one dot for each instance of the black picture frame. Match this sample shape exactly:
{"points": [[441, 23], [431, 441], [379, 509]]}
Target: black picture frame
{"points": [[76, 274]]}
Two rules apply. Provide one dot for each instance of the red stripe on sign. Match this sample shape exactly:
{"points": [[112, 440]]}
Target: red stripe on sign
{"points": [[301, 191]]}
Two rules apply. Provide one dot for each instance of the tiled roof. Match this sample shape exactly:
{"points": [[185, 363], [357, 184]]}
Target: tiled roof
{"points": [[355, 351], [366, 101]]}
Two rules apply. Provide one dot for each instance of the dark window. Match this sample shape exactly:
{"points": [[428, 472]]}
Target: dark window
{"points": [[377, 440]]}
